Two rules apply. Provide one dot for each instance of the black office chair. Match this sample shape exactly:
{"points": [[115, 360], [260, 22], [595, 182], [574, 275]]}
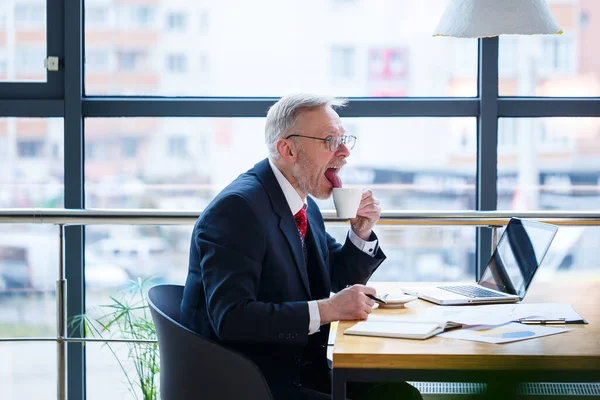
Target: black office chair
{"points": [[193, 367]]}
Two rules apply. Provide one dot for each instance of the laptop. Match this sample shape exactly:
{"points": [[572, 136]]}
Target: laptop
{"points": [[520, 251]]}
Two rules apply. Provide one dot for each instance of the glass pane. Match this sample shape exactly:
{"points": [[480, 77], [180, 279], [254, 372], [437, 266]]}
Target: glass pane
{"points": [[204, 49], [28, 274], [117, 256], [32, 163], [554, 164], [22, 40], [175, 163], [421, 253], [28, 370], [109, 373], [554, 65]]}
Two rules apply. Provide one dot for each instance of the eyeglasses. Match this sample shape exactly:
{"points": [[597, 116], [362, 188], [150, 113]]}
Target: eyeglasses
{"points": [[334, 142]]}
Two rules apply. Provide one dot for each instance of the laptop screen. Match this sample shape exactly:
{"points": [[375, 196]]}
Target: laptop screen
{"points": [[518, 255]]}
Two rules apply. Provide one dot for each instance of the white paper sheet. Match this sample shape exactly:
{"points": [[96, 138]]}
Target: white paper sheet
{"points": [[549, 311], [493, 314], [511, 332], [498, 314]]}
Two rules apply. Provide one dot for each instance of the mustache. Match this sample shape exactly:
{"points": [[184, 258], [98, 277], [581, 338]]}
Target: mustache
{"points": [[338, 164]]}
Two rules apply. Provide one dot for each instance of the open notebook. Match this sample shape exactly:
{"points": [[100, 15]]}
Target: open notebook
{"points": [[401, 327], [402, 330]]}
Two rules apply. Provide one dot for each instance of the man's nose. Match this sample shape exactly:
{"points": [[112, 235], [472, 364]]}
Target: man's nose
{"points": [[342, 150]]}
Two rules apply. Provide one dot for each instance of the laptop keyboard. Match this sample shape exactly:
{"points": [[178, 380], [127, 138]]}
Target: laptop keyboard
{"points": [[471, 291]]}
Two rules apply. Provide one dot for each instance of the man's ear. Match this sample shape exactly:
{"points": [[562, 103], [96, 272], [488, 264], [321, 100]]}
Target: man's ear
{"points": [[286, 149]]}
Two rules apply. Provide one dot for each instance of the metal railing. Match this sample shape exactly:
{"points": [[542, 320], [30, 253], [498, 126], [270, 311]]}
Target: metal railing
{"points": [[395, 217], [64, 217]]}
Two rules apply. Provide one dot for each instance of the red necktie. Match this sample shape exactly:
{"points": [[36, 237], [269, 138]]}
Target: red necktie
{"points": [[301, 221]]}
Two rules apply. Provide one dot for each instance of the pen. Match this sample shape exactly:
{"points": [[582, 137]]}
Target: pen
{"points": [[542, 321], [377, 299]]}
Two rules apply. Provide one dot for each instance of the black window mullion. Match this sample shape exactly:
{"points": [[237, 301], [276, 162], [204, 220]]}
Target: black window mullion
{"points": [[487, 145], [531, 107], [55, 47], [106, 107], [74, 186]]}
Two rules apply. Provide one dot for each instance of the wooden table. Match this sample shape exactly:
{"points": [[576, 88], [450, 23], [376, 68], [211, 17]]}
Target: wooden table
{"points": [[567, 357]]}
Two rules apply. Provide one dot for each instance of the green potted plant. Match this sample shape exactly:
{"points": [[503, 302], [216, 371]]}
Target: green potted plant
{"points": [[129, 316]]}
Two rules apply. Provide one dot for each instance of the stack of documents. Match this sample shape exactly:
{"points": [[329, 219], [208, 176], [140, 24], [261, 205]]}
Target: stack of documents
{"points": [[486, 323]]}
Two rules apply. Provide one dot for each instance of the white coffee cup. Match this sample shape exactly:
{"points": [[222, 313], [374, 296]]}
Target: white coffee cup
{"points": [[346, 201]]}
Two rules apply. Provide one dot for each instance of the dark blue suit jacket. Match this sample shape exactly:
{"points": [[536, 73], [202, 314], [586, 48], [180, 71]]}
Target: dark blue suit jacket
{"points": [[247, 284]]}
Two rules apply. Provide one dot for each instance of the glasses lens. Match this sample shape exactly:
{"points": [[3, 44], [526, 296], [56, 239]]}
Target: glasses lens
{"points": [[337, 141], [349, 141], [334, 143]]}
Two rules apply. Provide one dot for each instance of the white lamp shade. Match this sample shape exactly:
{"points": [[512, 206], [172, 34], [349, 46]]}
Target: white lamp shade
{"points": [[488, 18]]}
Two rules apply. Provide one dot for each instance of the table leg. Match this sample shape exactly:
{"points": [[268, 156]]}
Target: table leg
{"points": [[338, 385]]}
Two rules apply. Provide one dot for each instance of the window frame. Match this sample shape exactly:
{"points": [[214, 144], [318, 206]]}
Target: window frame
{"points": [[53, 87], [63, 95]]}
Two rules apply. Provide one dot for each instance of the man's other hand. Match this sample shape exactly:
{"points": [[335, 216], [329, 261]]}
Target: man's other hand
{"points": [[367, 215], [348, 304]]}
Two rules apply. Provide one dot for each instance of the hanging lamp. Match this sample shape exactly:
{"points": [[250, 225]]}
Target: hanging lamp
{"points": [[489, 18]]}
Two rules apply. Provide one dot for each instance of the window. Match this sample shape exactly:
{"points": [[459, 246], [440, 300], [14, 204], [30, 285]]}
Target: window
{"points": [[30, 16], [177, 146], [56, 151], [129, 146], [203, 22], [22, 41], [176, 63], [508, 56], [97, 150], [143, 15], [556, 167], [584, 19], [342, 62], [388, 64], [551, 65], [388, 72], [176, 21], [30, 176], [369, 51], [188, 170], [30, 148], [507, 135], [438, 178], [128, 60], [203, 64], [413, 163], [30, 61], [550, 147], [131, 16], [97, 60], [96, 16], [558, 54]]}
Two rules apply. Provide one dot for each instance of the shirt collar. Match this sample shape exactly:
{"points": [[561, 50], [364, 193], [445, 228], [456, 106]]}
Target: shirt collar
{"points": [[292, 197]]}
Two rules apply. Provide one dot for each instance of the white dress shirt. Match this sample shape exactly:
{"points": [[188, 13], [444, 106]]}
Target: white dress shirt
{"points": [[296, 203]]}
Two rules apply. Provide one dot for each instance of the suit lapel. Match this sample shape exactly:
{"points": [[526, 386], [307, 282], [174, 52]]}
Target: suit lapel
{"points": [[313, 236], [287, 225]]}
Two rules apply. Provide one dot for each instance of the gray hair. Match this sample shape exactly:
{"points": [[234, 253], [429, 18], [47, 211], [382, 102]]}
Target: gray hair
{"points": [[282, 115]]}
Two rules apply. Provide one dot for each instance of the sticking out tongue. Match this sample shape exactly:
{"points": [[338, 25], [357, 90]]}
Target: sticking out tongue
{"points": [[332, 176]]}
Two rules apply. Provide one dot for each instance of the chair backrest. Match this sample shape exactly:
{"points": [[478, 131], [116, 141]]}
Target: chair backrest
{"points": [[194, 367]]}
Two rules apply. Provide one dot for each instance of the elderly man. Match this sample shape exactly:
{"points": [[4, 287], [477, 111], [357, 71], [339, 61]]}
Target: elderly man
{"points": [[262, 266]]}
